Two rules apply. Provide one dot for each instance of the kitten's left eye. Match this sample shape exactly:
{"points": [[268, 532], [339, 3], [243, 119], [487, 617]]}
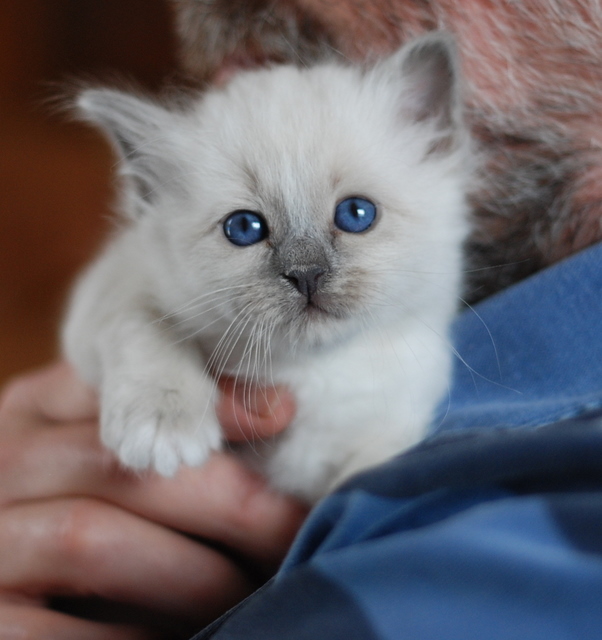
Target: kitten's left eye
{"points": [[244, 228], [355, 215]]}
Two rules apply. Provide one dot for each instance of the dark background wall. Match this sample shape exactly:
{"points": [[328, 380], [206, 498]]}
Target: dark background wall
{"points": [[55, 175]]}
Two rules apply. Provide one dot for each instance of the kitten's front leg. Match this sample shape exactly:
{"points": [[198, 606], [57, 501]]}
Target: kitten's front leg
{"points": [[157, 404], [156, 398]]}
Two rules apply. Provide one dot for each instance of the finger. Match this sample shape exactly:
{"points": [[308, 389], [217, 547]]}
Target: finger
{"points": [[39, 463], [252, 412], [82, 547], [54, 394], [222, 500], [20, 621]]}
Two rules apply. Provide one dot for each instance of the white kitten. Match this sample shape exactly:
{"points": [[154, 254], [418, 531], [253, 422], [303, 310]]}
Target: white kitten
{"points": [[299, 226]]}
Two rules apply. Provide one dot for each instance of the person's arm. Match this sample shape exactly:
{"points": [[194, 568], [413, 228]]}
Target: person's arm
{"points": [[75, 526]]}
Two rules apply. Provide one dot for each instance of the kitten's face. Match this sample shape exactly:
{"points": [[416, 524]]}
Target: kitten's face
{"points": [[290, 243], [298, 207]]}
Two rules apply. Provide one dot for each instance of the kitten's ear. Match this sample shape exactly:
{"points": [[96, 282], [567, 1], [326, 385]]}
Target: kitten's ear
{"points": [[428, 70], [139, 131]]}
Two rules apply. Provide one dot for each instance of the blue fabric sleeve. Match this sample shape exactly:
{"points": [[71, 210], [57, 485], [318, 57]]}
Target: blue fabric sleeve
{"points": [[465, 537]]}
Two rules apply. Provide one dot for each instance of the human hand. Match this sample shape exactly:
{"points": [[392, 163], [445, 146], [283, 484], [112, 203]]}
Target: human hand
{"points": [[149, 556]]}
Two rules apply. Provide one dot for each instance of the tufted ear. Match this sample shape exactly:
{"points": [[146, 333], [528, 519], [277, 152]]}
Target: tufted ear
{"points": [[140, 133], [427, 70]]}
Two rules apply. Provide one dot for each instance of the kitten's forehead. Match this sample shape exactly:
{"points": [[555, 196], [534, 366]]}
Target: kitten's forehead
{"points": [[292, 193], [292, 141]]}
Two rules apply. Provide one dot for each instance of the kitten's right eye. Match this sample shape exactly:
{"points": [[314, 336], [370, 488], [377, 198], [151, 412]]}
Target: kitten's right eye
{"points": [[355, 215], [244, 228]]}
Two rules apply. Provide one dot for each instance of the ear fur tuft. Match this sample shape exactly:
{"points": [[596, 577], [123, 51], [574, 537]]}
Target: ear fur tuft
{"points": [[137, 128], [427, 71]]}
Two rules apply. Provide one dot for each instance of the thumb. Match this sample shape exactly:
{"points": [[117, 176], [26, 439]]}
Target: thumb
{"points": [[246, 411]]}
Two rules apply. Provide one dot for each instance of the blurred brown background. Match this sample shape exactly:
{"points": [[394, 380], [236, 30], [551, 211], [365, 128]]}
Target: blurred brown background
{"points": [[55, 175]]}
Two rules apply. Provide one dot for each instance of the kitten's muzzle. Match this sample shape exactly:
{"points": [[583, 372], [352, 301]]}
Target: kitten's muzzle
{"points": [[306, 280], [304, 263]]}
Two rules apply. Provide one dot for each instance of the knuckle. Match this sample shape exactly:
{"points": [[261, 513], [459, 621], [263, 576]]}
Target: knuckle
{"points": [[247, 491], [260, 513], [76, 528]]}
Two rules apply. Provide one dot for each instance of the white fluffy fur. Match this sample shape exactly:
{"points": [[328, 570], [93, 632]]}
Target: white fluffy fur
{"points": [[171, 302]]}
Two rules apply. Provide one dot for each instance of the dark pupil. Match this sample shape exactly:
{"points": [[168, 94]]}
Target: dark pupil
{"points": [[357, 211]]}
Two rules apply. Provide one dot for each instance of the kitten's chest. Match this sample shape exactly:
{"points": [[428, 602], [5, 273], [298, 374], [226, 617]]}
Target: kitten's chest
{"points": [[236, 354], [356, 406]]}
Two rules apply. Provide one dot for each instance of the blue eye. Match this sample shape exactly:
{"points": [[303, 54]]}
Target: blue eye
{"points": [[355, 215], [244, 228]]}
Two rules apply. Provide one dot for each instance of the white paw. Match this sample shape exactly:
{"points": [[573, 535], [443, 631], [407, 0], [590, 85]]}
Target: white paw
{"points": [[152, 427]]}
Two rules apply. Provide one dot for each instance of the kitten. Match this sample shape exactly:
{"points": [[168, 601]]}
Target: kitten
{"points": [[299, 226]]}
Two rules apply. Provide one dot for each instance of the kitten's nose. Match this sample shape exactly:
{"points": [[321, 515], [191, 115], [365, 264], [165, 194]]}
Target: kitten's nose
{"points": [[306, 281]]}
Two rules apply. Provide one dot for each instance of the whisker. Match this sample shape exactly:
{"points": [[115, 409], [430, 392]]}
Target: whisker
{"points": [[237, 374], [227, 343], [447, 342], [195, 301]]}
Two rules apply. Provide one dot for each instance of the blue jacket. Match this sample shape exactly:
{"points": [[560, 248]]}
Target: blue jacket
{"points": [[491, 529]]}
